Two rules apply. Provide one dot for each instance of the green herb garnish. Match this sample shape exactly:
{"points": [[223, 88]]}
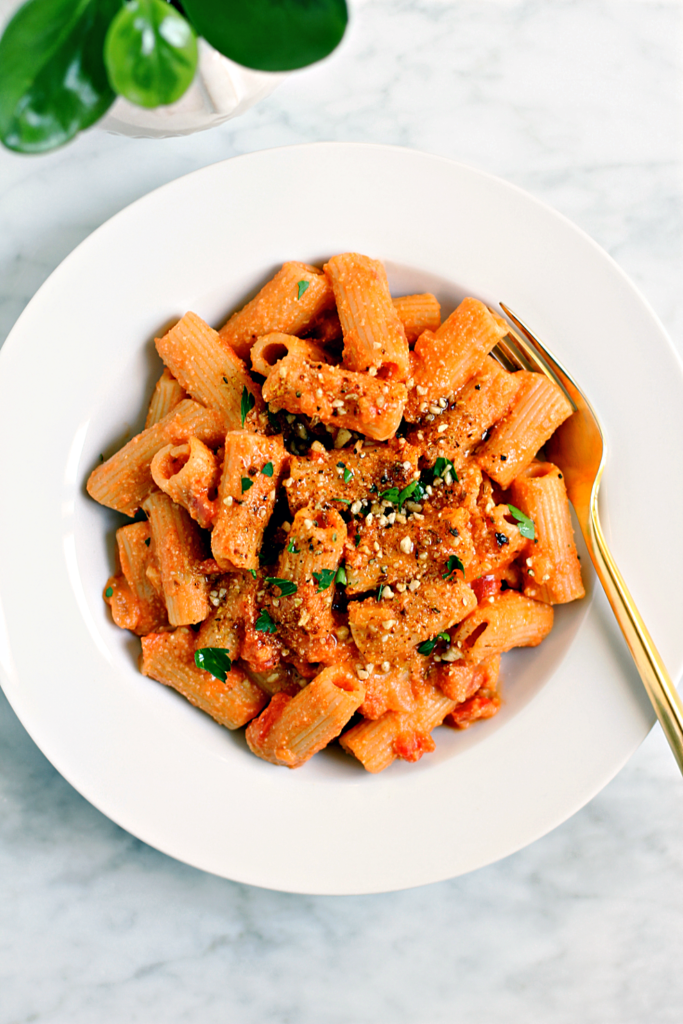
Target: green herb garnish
{"points": [[286, 586], [443, 466], [215, 660], [291, 549], [264, 623], [323, 578], [344, 501], [452, 564], [247, 404], [253, 572], [246, 483], [267, 469], [428, 645], [109, 592], [380, 592], [302, 285], [526, 526], [341, 576]]}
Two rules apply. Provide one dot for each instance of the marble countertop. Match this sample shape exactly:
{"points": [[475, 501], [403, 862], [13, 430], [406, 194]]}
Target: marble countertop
{"points": [[581, 103]]}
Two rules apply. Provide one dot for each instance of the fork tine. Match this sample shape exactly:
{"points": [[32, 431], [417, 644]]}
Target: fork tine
{"points": [[535, 355]]}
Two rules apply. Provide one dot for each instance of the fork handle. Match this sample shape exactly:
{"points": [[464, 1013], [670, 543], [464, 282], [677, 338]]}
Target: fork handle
{"points": [[661, 691]]}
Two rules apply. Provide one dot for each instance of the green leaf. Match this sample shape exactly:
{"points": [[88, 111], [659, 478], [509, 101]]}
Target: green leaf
{"points": [[291, 549], [443, 466], [341, 576], [264, 623], [286, 586], [525, 525], [270, 35], [344, 501], [53, 82], [109, 592], [150, 53], [253, 572], [413, 490], [452, 564], [247, 404], [267, 469], [246, 483], [427, 646], [302, 285], [323, 578], [347, 474], [215, 660]]}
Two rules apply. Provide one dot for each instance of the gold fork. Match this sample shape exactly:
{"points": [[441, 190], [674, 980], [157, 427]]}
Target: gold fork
{"points": [[577, 447]]}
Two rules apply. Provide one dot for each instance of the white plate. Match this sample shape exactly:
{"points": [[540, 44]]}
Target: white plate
{"points": [[74, 377]]}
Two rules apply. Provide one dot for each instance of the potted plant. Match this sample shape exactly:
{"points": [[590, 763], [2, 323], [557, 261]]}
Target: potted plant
{"points": [[150, 67]]}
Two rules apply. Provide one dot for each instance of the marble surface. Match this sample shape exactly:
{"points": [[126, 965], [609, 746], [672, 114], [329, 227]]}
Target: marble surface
{"points": [[581, 103]]}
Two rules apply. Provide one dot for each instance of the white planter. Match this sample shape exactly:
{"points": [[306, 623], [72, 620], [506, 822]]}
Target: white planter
{"points": [[221, 89]]}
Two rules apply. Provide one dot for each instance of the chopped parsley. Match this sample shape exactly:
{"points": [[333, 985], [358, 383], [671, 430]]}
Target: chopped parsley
{"points": [[413, 490], [264, 623], [147, 541], [215, 660], [344, 501], [291, 549], [441, 467], [246, 483], [253, 572], [341, 576], [302, 286], [428, 645], [267, 469], [525, 525], [109, 592], [452, 564], [380, 592], [323, 578], [286, 586], [348, 475], [247, 404]]}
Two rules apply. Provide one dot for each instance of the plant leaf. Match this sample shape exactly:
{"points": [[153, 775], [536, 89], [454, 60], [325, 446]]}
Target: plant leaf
{"points": [[247, 404], [53, 81], [286, 586], [268, 469], [526, 526], [215, 660], [302, 286], [452, 564], [323, 578], [270, 35], [265, 623], [150, 53]]}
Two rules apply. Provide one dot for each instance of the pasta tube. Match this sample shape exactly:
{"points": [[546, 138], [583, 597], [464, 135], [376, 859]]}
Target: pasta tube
{"points": [[169, 658], [539, 407], [496, 626], [124, 481], [167, 394], [374, 337], [391, 627], [252, 467], [188, 473], [418, 313], [210, 371], [551, 570], [292, 729], [179, 547], [290, 302], [443, 361], [336, 396], [378, 743]]}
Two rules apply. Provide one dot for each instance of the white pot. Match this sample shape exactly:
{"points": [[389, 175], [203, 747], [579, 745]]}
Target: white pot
{"points": [[221, 89]]}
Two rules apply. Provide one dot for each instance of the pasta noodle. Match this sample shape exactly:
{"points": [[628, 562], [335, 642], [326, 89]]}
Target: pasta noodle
{"points": [[343, 535]]}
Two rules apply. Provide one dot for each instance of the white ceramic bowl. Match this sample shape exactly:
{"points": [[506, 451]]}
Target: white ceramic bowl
{"points": [[74, 377]]}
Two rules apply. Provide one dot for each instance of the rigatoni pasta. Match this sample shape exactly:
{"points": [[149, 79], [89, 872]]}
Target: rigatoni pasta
{"points": [[342, 535]]}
